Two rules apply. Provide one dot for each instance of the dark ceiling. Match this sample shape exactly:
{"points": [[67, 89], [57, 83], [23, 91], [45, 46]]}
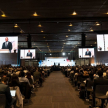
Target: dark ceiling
{"points": [[55, 17]]}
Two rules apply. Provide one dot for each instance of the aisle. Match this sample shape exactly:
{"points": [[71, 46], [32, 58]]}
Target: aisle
{"points": [[56, 92]]}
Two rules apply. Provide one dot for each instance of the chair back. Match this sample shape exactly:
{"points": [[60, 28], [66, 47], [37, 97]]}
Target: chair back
{"points": [[89, 84], [2, 100], [101, 90], [25, 89], [30, 80]]}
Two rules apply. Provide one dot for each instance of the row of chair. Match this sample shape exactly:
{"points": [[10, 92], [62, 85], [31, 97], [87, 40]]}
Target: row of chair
{"points": [[86, 89]]}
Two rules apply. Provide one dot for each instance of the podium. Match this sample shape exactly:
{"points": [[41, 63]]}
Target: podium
{"points": [[4, 51], [87, 56], [28, 57]]}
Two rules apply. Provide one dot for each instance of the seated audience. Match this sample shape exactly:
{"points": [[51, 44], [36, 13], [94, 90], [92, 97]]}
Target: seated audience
{"points": [[4, 89], [22, 78], [30, 78]]}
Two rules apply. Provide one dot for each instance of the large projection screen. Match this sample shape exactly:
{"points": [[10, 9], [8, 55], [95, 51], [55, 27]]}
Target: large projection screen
{"points": [[9, 44], [86, 52], [102, 42], [28, 54]]}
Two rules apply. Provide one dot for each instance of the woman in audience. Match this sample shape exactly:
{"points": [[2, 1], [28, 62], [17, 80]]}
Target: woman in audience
{"points": [[23, 78], [14, 81], [30, 78], [15, 85], [89, 80]]}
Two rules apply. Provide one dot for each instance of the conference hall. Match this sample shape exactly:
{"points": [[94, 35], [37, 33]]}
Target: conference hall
{"points": [[54, 54]]}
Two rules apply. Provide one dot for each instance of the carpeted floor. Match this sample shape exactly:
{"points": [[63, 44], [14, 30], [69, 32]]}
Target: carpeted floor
{"points": [[56, 92]]}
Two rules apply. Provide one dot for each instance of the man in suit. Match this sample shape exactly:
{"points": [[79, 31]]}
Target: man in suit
{"points": [[88, 52], [29, 53], [7, 45], [4, 89]]}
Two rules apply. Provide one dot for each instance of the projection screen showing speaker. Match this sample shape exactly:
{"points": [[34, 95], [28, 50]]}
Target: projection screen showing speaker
{"points": [[102, 42]]}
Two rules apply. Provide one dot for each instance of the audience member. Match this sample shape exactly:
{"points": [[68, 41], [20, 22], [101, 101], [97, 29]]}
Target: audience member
{"points": [[4, 89]]}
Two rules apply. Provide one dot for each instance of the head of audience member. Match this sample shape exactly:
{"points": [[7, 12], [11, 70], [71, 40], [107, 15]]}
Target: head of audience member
{"points": [[14, 80], [4, 80], [107, 73], [5, 74], [22, 74], [91, 76], [100, 73], [28, 75]]}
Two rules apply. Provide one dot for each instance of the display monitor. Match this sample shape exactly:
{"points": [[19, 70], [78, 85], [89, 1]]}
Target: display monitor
{"points": [[27, 53], [102, 44], [9, 44], [86, 52]]}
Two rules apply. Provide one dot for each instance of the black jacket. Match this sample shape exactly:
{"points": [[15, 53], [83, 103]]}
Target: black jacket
{"points": [[4, 89], [89, 53], [9, 46], [29, 54]]}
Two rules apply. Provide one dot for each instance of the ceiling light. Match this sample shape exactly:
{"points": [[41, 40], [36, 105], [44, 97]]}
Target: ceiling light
{"points": [[68, 29], [91, 29], [42, 31], [15, 25], [21, 31], [3, 15], [91, 45], [35, 14], [97, 23], [66, 35], [50, 54], [74, 13], [70, 24], [43, 37], [85, 36], [107, 13], [63, 53], [39, 25], [64, 43]]}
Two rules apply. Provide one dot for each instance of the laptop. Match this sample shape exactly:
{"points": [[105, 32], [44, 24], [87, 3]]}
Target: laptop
{"points": [[13, 93]]}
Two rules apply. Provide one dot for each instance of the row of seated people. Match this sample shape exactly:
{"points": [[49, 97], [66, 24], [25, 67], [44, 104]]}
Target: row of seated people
{"points": [[88, 79], [22, 80]]}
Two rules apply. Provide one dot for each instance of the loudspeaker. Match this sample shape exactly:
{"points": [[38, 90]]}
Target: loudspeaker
{"points": [[73, 58], [38, 59]]}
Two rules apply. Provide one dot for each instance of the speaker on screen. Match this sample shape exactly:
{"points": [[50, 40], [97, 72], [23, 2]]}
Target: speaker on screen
{"points": [[9, 44], [27, 54]]}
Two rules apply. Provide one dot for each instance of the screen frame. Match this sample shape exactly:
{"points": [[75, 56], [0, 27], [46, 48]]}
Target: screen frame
{"points": [[28, 49], [10, 35], [82, 52]]}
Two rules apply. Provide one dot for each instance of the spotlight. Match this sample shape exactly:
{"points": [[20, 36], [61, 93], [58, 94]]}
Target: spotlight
{"points": [[70, 24], [15, 25], [39, 25], [74, 13], [35, 14], [3, 15], [63, 53]]}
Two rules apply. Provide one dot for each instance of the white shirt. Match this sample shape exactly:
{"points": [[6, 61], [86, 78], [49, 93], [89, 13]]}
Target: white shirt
{"points": [[6, 43], [23, 79]]}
